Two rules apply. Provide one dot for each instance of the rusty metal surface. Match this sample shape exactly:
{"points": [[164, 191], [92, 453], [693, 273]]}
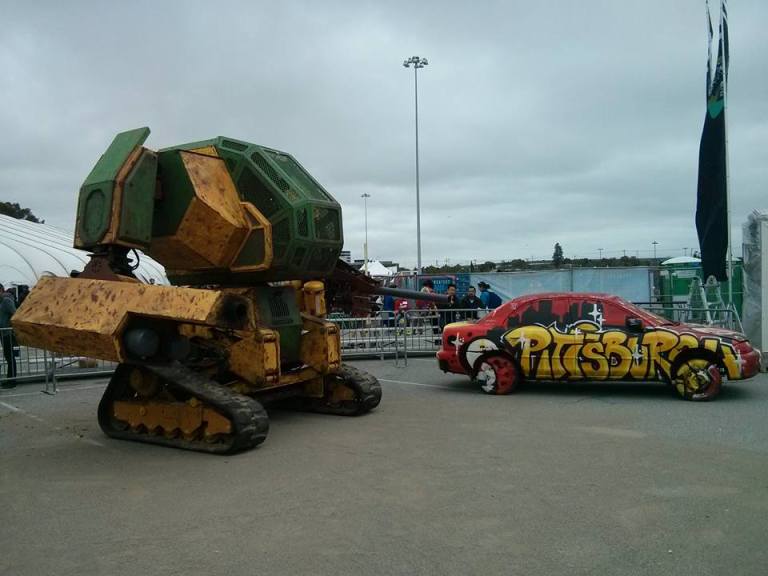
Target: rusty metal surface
{"points": [[213, 185], [84, 316], [259, 225], [256, 358], [214, 226], [320, 345], [185, 418]]}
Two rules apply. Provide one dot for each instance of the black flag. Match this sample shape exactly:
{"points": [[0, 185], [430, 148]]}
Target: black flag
{"points": [[712, 193]]}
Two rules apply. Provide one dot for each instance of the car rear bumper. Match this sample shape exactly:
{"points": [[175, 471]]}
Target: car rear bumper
{"points": [[751, 363]]}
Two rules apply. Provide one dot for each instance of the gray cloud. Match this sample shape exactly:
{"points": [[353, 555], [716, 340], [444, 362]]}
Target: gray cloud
{"points": [[540, 122]]}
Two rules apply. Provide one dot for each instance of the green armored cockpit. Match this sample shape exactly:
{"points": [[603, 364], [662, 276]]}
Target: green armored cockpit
{"points": [[217, 211]]}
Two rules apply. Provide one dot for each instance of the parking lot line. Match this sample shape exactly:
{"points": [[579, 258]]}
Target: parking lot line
{"points": [[66, 389], [415, 384], [18, 410]]}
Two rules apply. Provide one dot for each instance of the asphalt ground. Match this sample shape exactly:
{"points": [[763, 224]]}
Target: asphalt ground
{"points": [[440, 479]]}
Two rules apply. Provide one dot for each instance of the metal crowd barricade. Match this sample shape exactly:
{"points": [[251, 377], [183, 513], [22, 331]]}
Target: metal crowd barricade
{"points": [[35, 364], [368, 336], [64, 366], [726, 317], [398, 335], [20, 363], [386, 335]]}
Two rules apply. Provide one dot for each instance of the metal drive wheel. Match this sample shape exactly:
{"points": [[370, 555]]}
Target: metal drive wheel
{"points": [[698, 379], [497, 375]]}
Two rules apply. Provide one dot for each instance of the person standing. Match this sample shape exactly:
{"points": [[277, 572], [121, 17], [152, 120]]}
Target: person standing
{"points": [[470, 303], [448, 309], [490, 299], [428, 309], [388, 307], [7, 310]]}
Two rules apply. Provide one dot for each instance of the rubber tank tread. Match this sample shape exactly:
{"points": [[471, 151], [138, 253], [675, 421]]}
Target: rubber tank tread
{"points": [[249, 419]]}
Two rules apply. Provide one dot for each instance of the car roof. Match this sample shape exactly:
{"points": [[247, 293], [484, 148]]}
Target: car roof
{"points": [[560, 295]]}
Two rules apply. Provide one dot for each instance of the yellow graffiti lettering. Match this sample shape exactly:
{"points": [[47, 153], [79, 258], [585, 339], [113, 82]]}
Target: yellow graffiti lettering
{"points": [[548, 353], [659, 342], [731, 361], [686, 341], [572, 362], [563, 344], [711, 344], [640, 359], [595, 365], [544, 368], [531, 340], [618, 355]]}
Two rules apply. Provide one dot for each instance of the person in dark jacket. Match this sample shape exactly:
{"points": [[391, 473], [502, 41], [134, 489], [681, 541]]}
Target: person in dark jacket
{"points": [[448, 309], [388, 308], [7, 310], [470, 303]]}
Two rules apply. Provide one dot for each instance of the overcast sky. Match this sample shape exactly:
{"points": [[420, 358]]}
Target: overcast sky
{"points": [[540, 122]]}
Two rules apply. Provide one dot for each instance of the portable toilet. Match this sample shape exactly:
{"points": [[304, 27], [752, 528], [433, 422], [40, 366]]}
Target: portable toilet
{"points": [[675, 279]]}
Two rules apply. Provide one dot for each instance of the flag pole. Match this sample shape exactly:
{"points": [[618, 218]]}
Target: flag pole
{"points": [[726, 63]]}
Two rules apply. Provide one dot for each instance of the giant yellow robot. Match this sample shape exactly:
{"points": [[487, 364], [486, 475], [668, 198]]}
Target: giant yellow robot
{"points": [[247, 237]]}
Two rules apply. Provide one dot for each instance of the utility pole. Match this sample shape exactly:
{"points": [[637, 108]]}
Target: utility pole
{"points": [[417, 63], [365, 197]]}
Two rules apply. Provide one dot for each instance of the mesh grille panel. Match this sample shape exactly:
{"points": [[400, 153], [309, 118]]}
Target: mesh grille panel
{"points": [[323, 258], [233, 145], [327, 224], [303, 222], [279, 309], [296, 173], [281, 235], [258, 194], [298, 256], [269, 171]]}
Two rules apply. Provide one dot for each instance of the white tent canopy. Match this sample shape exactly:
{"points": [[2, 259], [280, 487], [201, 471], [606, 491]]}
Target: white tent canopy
{"points": [[29, 251], [681, 260], [376, 268]]}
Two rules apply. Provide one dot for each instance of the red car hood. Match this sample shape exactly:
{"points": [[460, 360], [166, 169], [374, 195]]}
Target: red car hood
{"points": [[712, 331]]}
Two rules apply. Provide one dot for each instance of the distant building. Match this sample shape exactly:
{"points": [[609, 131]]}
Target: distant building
{"points": [[346, 255]]}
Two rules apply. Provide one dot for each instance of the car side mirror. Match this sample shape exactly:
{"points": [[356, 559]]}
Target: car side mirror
{"points": [[634, 324]]}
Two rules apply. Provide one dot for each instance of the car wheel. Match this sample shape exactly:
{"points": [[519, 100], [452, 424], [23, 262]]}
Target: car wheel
{"points": [[497, 375], [698, 379]]}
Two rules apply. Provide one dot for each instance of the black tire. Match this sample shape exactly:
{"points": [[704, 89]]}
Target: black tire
{"points": [[497, 374], [698, 379]]}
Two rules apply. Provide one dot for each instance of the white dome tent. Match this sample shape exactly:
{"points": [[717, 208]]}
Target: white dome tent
{"points": [[377, 269], [29, 251]]}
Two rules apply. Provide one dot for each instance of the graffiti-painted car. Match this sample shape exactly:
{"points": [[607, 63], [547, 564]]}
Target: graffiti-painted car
{"points": [[571, 336]]}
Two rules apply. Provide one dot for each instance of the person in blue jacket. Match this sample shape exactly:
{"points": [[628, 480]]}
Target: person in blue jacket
{"points": [[490, 299]]}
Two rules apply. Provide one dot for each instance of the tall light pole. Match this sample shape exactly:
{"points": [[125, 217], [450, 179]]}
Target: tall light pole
{"points": [[365, 197], [654, 250], [417, 63]]}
